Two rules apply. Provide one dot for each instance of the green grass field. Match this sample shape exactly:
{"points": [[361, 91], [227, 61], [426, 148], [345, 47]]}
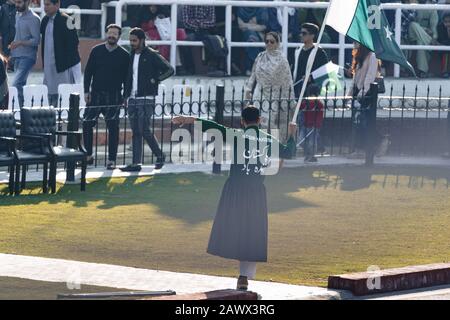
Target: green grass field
{"points": [[322, 221]]}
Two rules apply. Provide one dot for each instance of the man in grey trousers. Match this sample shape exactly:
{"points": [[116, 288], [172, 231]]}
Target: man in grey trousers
{"points": [[146, 70]]}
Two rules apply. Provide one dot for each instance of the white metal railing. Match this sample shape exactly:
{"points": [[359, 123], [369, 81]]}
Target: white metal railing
{"points": [[285, 5], [229, 4]]}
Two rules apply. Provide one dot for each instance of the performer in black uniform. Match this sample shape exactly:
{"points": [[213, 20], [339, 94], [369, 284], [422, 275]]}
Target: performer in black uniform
{"points": [[240, 229]]}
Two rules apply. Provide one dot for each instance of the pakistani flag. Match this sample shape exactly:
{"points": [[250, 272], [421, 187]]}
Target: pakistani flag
{"points": [[364, 22], [327, 77]]}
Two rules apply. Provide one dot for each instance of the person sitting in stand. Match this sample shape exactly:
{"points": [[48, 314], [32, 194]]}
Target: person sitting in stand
{"points": [[444, 39], [147, 19]]}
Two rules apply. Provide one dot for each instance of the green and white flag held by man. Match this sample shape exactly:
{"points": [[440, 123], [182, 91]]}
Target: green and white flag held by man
{"points": [[327, 77], [364, 22]]}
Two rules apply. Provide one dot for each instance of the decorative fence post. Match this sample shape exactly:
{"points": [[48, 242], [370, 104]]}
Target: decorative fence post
{"points": [[371, 125], [72, 125], [448, 129], [220, 106]]}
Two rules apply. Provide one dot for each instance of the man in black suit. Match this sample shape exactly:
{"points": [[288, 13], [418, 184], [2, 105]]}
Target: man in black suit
{"points": [[146, 70], [59, 49]]}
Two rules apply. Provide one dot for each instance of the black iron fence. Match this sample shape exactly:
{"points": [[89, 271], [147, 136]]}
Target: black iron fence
{"points": [[405, 124]]}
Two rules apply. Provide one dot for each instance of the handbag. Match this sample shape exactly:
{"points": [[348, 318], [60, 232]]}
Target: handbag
{"points": [[381, 86], [164, 27]]}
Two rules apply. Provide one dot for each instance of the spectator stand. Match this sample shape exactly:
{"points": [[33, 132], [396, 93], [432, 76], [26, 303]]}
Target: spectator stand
{"points": [[342, 46], [394, 11]]}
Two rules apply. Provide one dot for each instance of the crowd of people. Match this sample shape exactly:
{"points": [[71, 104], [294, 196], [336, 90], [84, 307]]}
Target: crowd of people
{"points": [[113, 77], [422, 27], [249, 24], [275, 76]]}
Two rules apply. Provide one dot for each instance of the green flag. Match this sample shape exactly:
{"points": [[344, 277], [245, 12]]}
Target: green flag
{"points": [[327, 77], [366, 23]]}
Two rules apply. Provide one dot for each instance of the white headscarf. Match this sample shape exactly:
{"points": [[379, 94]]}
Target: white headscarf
{"points": [[272, 71]]}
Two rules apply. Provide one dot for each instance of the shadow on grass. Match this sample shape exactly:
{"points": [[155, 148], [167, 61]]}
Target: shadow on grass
{"points": [[193, 197]]}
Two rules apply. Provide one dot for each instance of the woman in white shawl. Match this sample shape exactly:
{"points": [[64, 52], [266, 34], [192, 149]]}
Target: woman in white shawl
{"points": [[272, 77]]}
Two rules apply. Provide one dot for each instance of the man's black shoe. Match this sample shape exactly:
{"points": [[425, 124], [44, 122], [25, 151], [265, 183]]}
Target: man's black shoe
{"points": [[90, 160], [111, 165], [131, 168], [160, 163]]}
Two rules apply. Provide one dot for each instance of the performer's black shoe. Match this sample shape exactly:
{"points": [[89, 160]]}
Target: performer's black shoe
{"points": [[160, 163], [242, 283], [131, 168]]}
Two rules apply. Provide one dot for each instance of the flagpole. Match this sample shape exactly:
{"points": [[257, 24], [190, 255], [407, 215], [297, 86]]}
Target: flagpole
{"points": [[309, 66]]}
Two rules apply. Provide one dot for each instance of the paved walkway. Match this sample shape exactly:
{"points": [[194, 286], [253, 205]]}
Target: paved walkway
{"points": [[100, 172], [76, 274], [83, 273]]}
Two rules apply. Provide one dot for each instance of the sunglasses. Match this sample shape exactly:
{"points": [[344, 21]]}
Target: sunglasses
{"points": [[270, 41], [304, 33]]}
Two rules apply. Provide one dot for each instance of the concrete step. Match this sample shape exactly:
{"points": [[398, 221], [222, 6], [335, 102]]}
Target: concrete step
{"points": [[390, 280]]}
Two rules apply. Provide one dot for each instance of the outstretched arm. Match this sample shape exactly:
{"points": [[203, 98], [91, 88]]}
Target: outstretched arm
{"points": [[183, 120], [206, 124]]}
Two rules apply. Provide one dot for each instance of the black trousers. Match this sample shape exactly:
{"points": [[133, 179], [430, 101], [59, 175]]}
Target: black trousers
{"points": [[360, 124], [140, 112], [107, 104]]}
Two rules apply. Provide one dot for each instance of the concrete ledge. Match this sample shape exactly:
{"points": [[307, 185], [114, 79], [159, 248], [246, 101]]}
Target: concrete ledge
{"points": [[389, 280], [212, 295]]}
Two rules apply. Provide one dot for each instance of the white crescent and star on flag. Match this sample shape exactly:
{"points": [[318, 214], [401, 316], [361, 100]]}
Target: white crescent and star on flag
{"points": [[389, 34]]}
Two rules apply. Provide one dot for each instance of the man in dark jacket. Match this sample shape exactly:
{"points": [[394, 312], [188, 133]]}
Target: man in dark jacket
{"points": [[146, 70], [308, 33], [59, 49], [7, 25], [4, 90], [104, 77]]}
